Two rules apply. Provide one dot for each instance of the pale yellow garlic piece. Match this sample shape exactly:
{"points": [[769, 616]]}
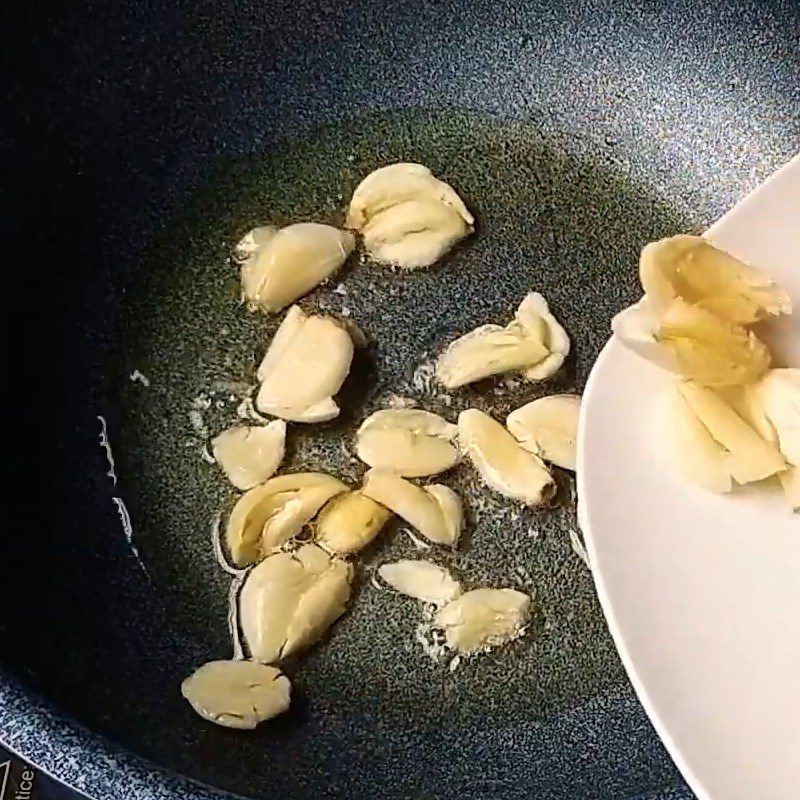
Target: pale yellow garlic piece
{"points": [[411, 442], [414, 233], [272, 513], [693, 343], [750, 458], [697, 455], [407, 216], [484, 618], [249, 454], [280, 266], [421, 580], [534, 343], [397, 183], [434, 510], [349, 522], [237, 694], [304, 367], [692, 269], [534, 315], [548, 428], [290, 599], [778, 394], [503, 464]]}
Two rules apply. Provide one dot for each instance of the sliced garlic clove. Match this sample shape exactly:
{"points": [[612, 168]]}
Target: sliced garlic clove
{"points": [[698, 456], [414, 233], [271, 514], [750, 458], [693, 343], [397, 183], [533, 343], [486, 351], [692, 269], [502, 463], [349, 522], [290, 599], [433, 510], [484, 618], [248, 454], [548, 428], [534, 315], [304, 367], [451, 509], [411, 442], [279, 266], [778, 394], [421, 580], [237, 694]]}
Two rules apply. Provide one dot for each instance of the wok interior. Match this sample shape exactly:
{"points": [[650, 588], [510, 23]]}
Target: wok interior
{"points": [[124, 219]]}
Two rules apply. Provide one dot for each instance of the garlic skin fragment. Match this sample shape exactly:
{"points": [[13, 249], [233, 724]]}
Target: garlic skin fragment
{"points": [[503, 464], [349, 522], [407, 216], [779, 396], [434, 510], [304, 367], [548, 428], [484, 618], [280, 266], [534, 343], [237, 694], [411, 442], [749, 457], [250, 454], [692, 343], [290, 599], [269, 515], [421, 580], [692, 269]]}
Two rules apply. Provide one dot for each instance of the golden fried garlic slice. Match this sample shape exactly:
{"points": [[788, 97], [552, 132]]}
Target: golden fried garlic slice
{"points": [[407, 216], [409, 441], [534, 343], [692, 342], [434, 510], [272, 513], [280, 266], [237, 694], [421, 580], [548, 428], [290, 599], [503, 464], [484, 618], [729, 449], [250, 454], [692, 269], [304, 367], [349, 522]]}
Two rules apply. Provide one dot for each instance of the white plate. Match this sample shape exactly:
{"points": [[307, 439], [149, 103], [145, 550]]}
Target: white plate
{"points": [[701, 592]]}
